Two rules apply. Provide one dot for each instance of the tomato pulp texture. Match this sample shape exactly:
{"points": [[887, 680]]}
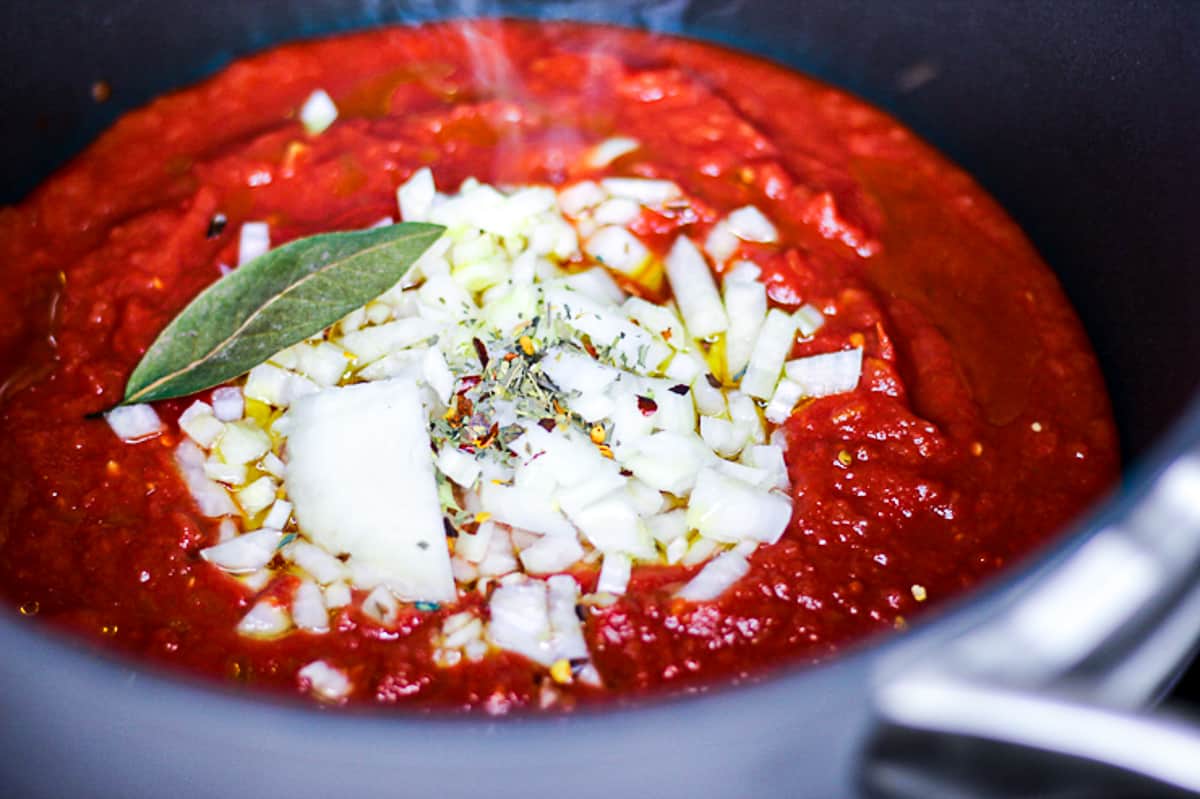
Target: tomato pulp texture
{"points": [[980, 426]]}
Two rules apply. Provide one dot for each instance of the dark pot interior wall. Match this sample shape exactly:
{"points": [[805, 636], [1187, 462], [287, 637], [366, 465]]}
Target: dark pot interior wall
{"points": [[1079, 117]]}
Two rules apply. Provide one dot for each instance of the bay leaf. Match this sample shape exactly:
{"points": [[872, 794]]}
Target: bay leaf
{"points": [[276, 300]]}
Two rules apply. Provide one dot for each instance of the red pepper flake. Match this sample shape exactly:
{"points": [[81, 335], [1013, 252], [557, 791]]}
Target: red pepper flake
{"points": [[487, 440], [469, 382], [646, 405], [712, 380], [510, 356], [679, 389], [591, 350], [481, 351], [464, 405], [547, 424], [666, 334]]}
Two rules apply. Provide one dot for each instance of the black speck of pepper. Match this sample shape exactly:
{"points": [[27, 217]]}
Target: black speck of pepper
{"points": [[679, 389], [423, 545], [451, 530], [216, 226], [581, 612]]}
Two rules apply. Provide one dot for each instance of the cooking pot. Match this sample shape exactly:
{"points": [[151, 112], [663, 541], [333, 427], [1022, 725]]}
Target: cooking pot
{"points": [[1080, 118]]}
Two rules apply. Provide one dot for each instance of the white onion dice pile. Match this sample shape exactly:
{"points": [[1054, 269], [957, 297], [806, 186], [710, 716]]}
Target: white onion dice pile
{"points": [[641, 442]]}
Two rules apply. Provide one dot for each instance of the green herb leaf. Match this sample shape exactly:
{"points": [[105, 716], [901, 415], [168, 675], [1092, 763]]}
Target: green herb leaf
{"points": [[272, 302]]}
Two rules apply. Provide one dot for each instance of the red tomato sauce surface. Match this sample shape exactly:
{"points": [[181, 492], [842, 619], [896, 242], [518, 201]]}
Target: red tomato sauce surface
{"points": [[981, 424]]}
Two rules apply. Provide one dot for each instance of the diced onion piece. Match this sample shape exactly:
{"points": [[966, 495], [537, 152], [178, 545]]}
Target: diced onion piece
{"points": [[646, 191], [231, 474], [676, 549], [243, 442], [700, 550], [725, 508], [721, 243], [710, 400], [658, 319], [499, 559], [666, 527], [199, 424], [211, 499], [361, 476], [437, 375], [809, 320], [254, 239], [318, 112], [669, 461], [473, 547], [520, 621], [381, 606], [769, 458], [596, 284], [134, 423], [827, 374], [551, 553], [617, 211], [273, 465], [614, 574], [611, 524], [279, 514], [245, 553], [257, 496], [686, 367], [617, 249], [783, 401], [320, 565], [695, 290], [566, 631], [228, 404], [774, 344], [725, 438], [279, 387], [749, 224], [325, 681], [265, 620], [415, 196], [744, 413], [372, 343], [524, 508], [459, 466], [308, 608], [337, 595], [746, 305], [578, 197], [717, 576], [610, 150]]}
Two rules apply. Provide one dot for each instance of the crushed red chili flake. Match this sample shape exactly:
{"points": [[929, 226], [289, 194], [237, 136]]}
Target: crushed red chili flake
{"points": [[646, 405], [547, 424], [481, 351], [680, 389], [712, 380]]}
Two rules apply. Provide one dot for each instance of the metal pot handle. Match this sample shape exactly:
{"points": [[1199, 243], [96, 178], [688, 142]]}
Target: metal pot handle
{"points": [[1043, 696]]}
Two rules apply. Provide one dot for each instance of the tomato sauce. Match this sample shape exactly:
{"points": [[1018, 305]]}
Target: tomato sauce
{"points": [[980, 427]]}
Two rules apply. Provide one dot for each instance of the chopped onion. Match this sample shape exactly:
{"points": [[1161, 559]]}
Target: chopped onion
{"points": [[228, 403], [415, 196], [566, 631], [666, 527], [721, 243], [254, 240], [337, 595], [617, 211], [459, 466], [279, 514], [242, 442], [808, 320], [318, 112], [199, 424], [325, 681], [577, 198], [321, 566], [265, 620], [717, 576], [551, 553], [831, 373], [520, 621], [246, 553], [783, 401], [614, 573], [308, 608], [617, 249], [695, 290], [727, 509], [257, 496], [211, 500], [746, 304], [381, 606], [645, 190], [774, 344], [749, 224], [610, 150], [524, 508], [134, 423]]}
